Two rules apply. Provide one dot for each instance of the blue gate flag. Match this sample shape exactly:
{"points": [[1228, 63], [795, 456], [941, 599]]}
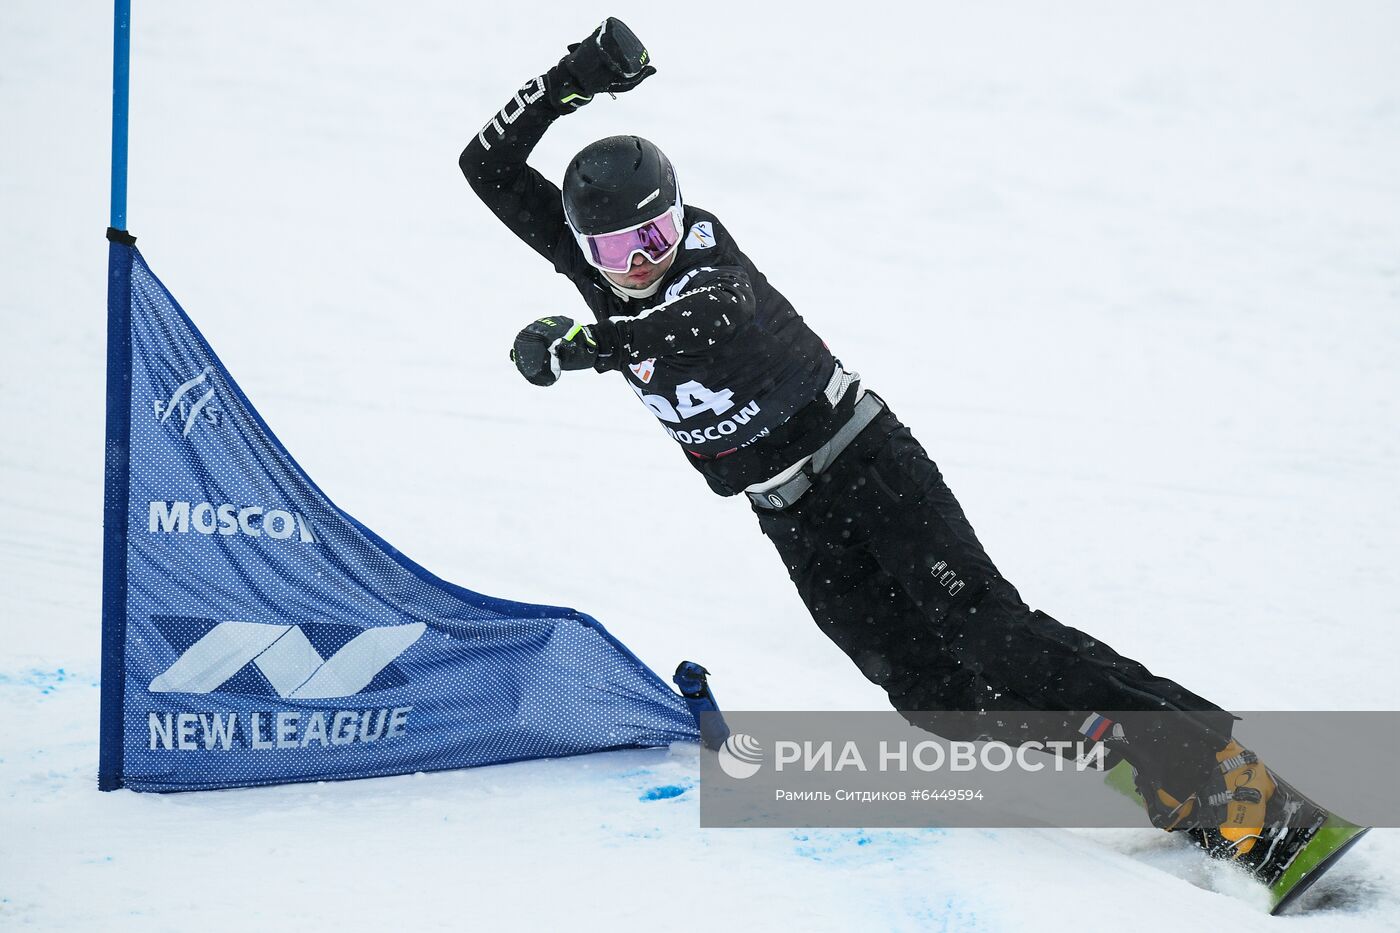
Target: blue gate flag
{"points": [[253, 633]]}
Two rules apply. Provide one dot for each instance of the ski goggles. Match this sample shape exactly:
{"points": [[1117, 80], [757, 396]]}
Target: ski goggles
{"points": [[654, 238]]}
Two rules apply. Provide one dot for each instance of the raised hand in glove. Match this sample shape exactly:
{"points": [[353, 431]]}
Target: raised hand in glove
{"points": [[611, 59], [550, 345]]}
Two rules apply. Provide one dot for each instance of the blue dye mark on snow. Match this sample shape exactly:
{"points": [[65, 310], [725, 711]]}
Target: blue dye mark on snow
{"points": [[653, 833], [859, 845], [664, 792], [947, 917], [46, 681]]}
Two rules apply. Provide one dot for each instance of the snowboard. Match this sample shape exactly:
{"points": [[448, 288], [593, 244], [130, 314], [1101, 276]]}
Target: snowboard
{"points": [[1293, 862]]}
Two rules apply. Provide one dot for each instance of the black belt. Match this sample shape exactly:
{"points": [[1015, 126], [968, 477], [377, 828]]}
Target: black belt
{"points": [[786, 493]]}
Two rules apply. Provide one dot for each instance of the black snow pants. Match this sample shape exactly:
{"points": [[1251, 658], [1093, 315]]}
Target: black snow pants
{"points": [[892, 572]]}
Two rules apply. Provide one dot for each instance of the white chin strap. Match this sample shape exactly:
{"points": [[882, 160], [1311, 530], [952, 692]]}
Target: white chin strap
{"points": [[637, 292]]}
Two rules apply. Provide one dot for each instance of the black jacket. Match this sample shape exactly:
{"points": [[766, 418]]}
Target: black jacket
{"points": [[717, 354]]}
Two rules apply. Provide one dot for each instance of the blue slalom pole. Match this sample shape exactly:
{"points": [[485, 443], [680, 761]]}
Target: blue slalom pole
{"points": [[121, 92], [117, 482]]}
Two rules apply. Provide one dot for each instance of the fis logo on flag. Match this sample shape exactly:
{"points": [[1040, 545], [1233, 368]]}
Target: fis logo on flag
{"points": [[191, 403]]}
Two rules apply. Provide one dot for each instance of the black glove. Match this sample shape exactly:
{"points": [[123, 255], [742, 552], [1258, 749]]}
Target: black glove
{"points": [[550, 345], [611, 59]]}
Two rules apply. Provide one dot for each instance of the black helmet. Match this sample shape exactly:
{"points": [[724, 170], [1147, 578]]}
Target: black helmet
{"points": [[616, 183]]}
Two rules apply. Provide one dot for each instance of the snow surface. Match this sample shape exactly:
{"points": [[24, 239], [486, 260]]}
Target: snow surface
{"points": [[1131, 272]]}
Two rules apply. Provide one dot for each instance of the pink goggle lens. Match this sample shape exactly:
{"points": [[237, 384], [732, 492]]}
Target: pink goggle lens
{"points": [[654, 239]]}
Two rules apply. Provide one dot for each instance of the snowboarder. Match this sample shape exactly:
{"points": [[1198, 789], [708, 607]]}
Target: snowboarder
{"points": [[877, 545]]}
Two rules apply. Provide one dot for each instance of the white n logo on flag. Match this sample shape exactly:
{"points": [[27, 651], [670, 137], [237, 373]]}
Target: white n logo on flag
{"points": [[287, 659]]}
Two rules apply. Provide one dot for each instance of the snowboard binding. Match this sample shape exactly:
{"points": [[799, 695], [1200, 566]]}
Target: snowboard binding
{"points": [[1250, 816]]}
